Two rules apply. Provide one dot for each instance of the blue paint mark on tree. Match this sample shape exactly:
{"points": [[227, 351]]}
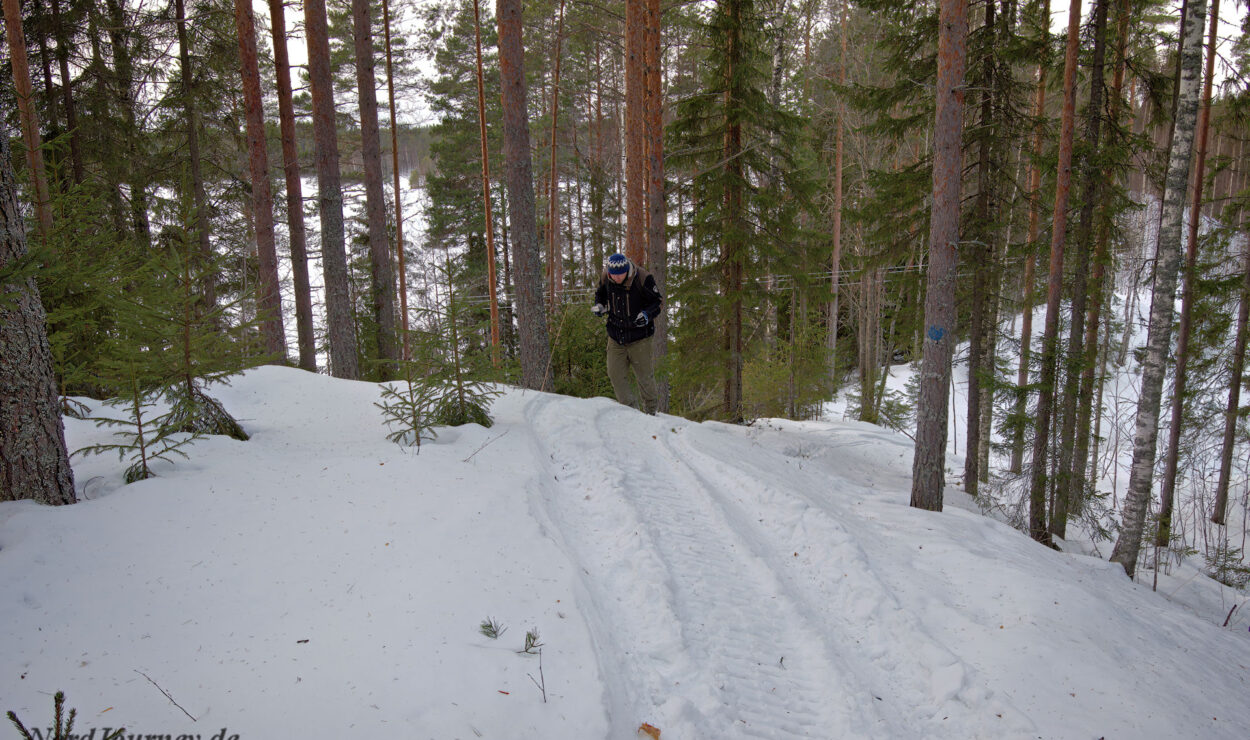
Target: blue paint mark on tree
{"points": [[936, 333]]}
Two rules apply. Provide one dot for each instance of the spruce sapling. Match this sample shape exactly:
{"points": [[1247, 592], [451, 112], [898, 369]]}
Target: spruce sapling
{"points": [[62, 726]]}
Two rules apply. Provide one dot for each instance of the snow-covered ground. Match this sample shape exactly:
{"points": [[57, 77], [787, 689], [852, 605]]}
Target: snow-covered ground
{"points": [[710, 580]]}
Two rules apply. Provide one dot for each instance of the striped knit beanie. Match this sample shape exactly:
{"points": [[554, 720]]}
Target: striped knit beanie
{"points": [[618, 264]]}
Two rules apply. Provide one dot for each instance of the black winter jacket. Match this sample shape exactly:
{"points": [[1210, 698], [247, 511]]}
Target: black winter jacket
{"points": [[637, 292]]}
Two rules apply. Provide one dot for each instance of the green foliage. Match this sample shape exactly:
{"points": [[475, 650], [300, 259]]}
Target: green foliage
{"points": [[491, 628], [62, 727], [144, 434], [532, 642], [578, 358], [1227, 565], [407, 411], [750, 242], [194, 411], [446, 382]]}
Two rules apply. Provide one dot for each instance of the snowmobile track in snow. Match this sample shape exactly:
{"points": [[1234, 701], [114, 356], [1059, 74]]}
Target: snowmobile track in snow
{"points": [[711, 606]]}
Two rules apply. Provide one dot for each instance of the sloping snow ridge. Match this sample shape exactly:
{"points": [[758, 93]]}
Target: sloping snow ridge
{"points": [[713, 581]]}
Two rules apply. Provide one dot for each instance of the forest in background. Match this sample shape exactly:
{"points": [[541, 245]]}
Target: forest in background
{"points": [[771, 162]]}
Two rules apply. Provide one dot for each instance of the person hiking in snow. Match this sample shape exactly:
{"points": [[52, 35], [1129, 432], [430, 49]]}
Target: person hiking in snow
{"points": [[628, 296]]}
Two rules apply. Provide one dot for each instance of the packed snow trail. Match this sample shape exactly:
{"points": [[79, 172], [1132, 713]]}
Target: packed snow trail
{"points": [[686, 575], [674, 597]]}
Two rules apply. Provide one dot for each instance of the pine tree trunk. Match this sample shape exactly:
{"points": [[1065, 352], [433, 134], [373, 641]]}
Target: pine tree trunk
{"points": [[657, 221], [381, 272], [732, 250], [28, 116], [1030, 260], [268, 288], [123, 80], [1050, 338], [1167, 260], [635, 131], [1071, 483], [339, 323], [555, 263], [929, 463], [981, 249], [199, 198], [67, 93], [297, 235], [34, 463], [1168, 484], [1086, 406], [835, 267], [531, 319], [1219, 511], [486, 198]]}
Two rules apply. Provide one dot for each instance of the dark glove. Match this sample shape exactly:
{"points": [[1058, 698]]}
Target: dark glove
{"points": [[598, 309], [642, 319]]}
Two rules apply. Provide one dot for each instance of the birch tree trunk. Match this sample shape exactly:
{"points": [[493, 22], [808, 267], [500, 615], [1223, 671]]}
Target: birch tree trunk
{"points": [[531, 319], [268, 289], [339, 323], [1167, 264], [1167, 491], [34, 463], [929, 463]]}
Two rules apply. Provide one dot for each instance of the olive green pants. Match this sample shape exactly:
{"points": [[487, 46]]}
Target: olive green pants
{"points": [[621, 357]]}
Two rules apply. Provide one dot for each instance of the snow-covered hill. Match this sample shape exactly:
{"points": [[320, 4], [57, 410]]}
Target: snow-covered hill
{"points": [[713, 581]]}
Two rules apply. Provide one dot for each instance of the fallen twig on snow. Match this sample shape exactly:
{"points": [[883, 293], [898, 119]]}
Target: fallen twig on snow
{"points": [[166, 693]]}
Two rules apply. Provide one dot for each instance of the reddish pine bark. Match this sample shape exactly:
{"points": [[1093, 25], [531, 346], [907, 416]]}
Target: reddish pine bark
{"points": [[27, 115], [555, 261], [929, 464], [399, 201], [635, 132], [298, 237], [1030, 260], [519, 176], [486, 199], [382, 277], [339, 323], [1050, 337], [268, 290], [657, 212]]}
